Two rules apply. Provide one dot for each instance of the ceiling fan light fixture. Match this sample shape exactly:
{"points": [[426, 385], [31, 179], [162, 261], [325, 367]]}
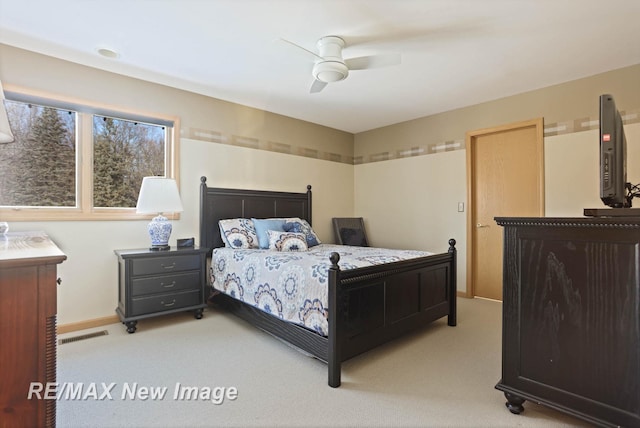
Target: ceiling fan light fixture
{"points": [[330, 71]]}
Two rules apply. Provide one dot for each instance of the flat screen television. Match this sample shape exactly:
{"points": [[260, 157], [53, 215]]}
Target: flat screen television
{"points": [[613, 156]]}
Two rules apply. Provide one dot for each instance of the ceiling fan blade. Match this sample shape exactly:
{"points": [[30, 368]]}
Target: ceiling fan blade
{"points": [[315, 55], [317, 86], [416, 37], [375, 61]]}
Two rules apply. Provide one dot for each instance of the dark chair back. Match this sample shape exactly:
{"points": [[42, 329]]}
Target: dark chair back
{"points": [[350, 231]]}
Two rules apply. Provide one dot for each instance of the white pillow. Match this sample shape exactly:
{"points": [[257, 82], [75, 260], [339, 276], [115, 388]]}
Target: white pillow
{"points": [[238, 233], [287, 241]]}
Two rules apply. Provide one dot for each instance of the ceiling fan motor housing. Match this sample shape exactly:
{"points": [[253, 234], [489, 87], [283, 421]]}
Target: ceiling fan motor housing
{"points": [[330, 71], [333, 68]]}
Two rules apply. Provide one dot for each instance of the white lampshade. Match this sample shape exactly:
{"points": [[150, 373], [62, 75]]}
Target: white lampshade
{"points": [[6, 136], [158, 195]]}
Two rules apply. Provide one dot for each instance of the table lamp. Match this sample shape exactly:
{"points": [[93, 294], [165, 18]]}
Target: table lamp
{"points": [[159, 195]]}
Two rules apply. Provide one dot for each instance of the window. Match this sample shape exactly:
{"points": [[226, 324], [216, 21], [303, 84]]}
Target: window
{"points": [[73, 161], [123, 153], [38, 168]]}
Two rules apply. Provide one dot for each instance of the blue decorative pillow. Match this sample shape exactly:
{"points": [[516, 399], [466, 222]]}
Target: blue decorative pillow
{"points": [[238, 233], [298, 225], [263, 225], [286, 241]]}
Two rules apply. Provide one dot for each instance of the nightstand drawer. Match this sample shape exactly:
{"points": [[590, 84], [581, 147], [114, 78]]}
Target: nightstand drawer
{"points": [[164, 265], [165, 302], [165, 283]]}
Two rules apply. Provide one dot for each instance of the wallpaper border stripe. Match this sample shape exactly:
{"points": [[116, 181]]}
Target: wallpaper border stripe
{"points": [[550, 129], [270, 146]]}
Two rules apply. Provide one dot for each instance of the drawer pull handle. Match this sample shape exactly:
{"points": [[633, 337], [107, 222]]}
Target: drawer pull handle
{"points": [[166, 305], [168, 285], [171, 266]]}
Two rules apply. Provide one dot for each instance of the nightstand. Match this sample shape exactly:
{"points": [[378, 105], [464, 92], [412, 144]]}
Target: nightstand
{"points": [[153, 283]]}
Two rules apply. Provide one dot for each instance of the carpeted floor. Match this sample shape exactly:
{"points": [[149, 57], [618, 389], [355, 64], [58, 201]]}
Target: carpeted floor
{"points": [[439, 377]]}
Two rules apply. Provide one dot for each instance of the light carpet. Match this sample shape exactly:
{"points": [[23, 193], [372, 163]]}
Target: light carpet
{"points": [[439, 377]]}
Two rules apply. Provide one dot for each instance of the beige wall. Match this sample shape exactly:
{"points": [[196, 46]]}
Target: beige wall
{"points": [[89, 275], [572, 174], [231, 123], [411, 202], [411, 199], [569, 101]]}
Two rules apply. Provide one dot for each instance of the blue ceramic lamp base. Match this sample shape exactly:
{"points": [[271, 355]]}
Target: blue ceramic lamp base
{"points": [[159, 230]]}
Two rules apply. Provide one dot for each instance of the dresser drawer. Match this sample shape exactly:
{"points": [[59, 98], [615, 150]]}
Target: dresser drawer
{"points": [[165, 302], [165, 283], [165, 265]]}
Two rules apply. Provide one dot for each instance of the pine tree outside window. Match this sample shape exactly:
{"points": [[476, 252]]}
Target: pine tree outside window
{"points": [[124, 152], [39, 166], [80, 163]]}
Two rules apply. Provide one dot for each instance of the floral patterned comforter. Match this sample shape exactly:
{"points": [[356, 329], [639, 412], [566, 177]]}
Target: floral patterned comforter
{"points": [[292, 285]]}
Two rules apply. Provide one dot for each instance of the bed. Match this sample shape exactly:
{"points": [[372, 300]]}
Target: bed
{"points": [[376, 303]]}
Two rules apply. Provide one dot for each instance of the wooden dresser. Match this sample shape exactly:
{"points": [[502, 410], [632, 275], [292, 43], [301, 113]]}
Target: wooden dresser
{"points": [[28, 279], [571, 317]]}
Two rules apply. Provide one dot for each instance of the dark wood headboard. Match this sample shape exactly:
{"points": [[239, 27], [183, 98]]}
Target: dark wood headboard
{"points": [[217, 204]]}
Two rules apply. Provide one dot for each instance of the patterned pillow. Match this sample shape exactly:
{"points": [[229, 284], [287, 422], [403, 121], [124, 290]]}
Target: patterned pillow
{"points": [[298, 225], [238, 233], [286, 241]]}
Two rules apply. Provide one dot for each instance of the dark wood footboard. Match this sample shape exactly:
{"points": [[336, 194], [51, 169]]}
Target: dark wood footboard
{"points": [[377, 304]]}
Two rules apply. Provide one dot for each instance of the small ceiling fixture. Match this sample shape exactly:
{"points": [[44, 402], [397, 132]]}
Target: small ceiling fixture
{"points": [[108, 53]]}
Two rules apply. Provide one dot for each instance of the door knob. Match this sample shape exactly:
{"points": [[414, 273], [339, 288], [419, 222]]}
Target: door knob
{"points": [[479, 225]]}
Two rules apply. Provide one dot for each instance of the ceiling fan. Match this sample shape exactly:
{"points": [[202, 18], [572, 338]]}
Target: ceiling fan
{"points": [[330, 67]]}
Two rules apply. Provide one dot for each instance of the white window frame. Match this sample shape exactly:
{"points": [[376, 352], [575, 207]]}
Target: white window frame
{"points": [[86, 110]]}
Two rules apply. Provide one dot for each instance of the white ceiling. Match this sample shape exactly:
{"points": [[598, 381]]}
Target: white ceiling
{"points": [[455, 53]]}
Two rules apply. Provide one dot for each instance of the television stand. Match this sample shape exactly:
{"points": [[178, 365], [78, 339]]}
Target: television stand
{"points": [[612, 212]]}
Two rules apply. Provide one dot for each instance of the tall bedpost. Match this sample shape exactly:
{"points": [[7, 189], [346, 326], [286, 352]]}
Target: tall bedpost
{"points": [[203, 201], [309, 202], [452, 319], [334, 358]]}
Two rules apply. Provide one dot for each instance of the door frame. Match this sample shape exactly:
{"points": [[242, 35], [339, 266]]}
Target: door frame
{"points": [[471, 139]]}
